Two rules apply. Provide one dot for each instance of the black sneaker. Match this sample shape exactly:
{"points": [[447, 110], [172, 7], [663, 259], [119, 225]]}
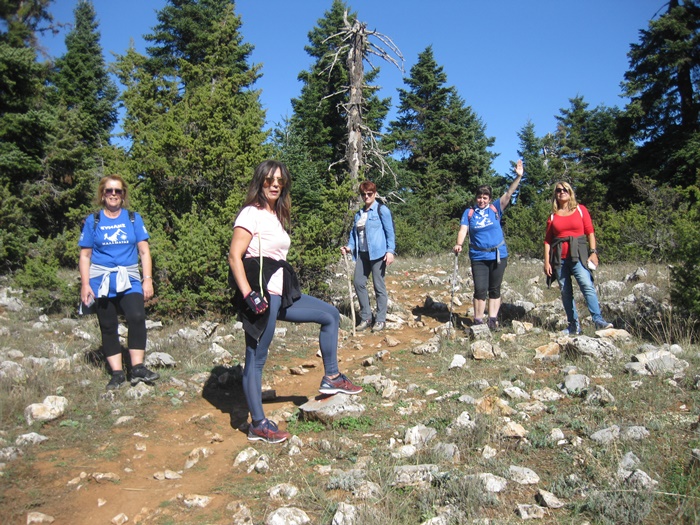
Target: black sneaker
{"points": [[117, 380], [141, 373]]}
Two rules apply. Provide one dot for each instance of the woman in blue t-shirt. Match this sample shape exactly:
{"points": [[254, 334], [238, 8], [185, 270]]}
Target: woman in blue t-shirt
{"points": [[110, 245], [487, 247]]}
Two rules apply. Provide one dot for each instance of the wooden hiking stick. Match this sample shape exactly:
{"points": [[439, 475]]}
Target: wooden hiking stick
{"points": [[352, 302], [452, 295]]}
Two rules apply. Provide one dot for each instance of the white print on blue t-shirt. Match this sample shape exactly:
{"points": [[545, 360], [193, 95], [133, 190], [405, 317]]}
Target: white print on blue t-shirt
{"points": [[484, 232], [118, 237], [481, 218]]}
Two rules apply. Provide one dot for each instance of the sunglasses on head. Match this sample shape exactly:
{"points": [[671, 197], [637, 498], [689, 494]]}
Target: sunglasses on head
{"points": [[367, 194], [561, 190], [115, 191]]}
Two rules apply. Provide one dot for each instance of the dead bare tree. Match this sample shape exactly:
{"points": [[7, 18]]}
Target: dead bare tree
{"points": [[359, 44]]}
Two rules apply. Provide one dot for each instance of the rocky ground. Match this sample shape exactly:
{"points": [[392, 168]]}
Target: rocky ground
{"points": [[455, 425]]}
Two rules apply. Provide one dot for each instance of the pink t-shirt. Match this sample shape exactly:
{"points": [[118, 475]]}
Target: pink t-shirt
{"points": [[268, 236]]}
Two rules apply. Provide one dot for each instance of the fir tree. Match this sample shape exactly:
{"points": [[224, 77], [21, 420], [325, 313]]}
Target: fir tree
{"points": [[443, 149], [663, 113], [195, 122]]}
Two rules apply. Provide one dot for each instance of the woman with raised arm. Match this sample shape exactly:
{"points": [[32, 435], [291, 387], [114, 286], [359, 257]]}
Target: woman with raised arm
{"points": [[487, 247]]}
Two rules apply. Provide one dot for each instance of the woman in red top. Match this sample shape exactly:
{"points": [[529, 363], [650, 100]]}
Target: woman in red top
{"points": [[570, 250]]}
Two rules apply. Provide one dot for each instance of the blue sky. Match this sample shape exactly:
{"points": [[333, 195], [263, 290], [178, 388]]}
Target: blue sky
{"points": [[510, 60]]}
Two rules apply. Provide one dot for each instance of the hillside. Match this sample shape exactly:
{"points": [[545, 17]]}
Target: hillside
{"points": [[470, 427]]}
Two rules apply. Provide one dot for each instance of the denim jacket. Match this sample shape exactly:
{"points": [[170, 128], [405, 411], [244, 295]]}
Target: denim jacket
{"points": [[378, 230]]}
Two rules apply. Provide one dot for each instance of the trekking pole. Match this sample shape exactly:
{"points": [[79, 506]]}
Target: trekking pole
{"points": [[452, 295], [352, 302]]}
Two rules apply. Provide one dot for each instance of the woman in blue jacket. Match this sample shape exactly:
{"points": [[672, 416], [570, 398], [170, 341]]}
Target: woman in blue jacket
{"points": [[373, 246], [487, 247]]}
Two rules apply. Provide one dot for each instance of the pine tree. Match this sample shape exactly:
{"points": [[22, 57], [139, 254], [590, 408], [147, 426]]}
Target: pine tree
{"points": [[82, 81], [84, 99], [443, 148], [25, 125], [591, 151], [196, 129], [664, 107]]}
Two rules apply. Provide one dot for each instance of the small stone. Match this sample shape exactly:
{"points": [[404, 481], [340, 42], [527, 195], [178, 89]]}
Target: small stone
{"points": [[39, 517]]}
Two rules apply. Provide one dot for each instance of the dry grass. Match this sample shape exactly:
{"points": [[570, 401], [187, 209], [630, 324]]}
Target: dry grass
{"points": [[581, 473]]}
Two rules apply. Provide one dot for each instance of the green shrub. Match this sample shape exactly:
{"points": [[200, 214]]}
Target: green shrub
{"points": [[685, 282], [190, 265], [40, 279]]}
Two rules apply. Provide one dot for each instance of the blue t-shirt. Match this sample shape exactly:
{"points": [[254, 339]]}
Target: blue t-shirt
{"points": [[485, 232], [114, 243]]}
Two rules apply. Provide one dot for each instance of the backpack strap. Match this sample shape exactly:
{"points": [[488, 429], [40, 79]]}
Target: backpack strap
{"points": [[96, 216], [379, 212], [580, 212], [491, 206]]}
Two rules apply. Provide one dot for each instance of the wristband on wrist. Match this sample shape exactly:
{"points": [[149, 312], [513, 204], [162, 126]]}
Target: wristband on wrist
{"points": [[146, 277], [591, 252]]}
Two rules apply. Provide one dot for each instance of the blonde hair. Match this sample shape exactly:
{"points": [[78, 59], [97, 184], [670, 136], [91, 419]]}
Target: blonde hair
{"points": [[99, 198], [572, 196]]}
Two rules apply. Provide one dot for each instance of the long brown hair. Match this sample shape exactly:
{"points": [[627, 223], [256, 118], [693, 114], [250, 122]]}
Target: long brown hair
{"points": [[570, 191], [99, 198], [264, 172]]}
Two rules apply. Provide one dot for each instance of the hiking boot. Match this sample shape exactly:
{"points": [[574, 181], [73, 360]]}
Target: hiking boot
{"points": [[572, 329], [602, 325], [268, 432], [141, 373], [478, 321], [378, 327], [338, 385], [364, 325], [118, 379], [493, 324]]}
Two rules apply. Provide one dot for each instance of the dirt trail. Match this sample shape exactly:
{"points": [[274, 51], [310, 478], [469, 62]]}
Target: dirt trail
{"points": [[139, 450]]}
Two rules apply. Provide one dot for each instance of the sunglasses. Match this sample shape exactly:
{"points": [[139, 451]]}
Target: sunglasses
{"points": [[561, 190], [269, 181], [113, 191], [368, 194]]}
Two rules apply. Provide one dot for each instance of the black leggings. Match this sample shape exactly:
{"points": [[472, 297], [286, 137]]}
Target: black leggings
{"points": [[131, 305], [488, 276]]}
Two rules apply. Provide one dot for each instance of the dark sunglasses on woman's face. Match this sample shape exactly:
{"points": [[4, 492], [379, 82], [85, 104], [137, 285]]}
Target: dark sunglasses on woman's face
{"points": [[116, 191], [368, 194], [561, 190], [269, 181]]}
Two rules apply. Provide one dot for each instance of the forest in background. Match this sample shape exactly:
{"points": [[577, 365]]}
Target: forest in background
{"points": [[196, 128]]}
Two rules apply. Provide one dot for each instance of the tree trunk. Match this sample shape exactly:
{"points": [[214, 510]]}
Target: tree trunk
{"points": [[354, 110]]}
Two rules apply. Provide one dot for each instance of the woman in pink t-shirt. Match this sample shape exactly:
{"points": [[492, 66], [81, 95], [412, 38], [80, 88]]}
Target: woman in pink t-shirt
{"points": [[267, 289], [570, 250]]}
